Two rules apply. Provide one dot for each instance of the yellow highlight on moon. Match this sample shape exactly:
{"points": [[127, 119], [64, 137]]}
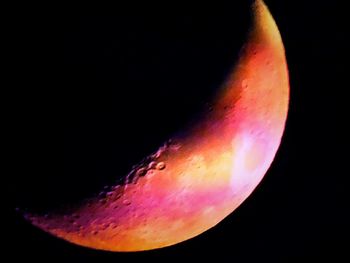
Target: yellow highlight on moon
{"points": [[199, 178]]}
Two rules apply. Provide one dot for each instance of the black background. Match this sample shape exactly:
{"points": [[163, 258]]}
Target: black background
{"points": [[93, 93]]}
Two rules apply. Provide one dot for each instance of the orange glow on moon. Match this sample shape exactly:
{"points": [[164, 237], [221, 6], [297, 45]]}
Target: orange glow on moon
{"points": [[200, 177]]}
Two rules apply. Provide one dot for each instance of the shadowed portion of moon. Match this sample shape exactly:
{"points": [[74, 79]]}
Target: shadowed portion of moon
{"points": [[129, 81], [201, 174]]}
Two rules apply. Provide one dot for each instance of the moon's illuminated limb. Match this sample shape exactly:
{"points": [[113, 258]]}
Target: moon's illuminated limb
{"points": [[199, 178]]}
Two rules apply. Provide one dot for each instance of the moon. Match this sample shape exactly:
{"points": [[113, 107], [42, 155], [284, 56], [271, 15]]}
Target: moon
{"points": [[201, 175]]}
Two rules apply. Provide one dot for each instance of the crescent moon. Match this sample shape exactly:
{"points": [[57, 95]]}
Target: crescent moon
{"points": [[201, 176]]}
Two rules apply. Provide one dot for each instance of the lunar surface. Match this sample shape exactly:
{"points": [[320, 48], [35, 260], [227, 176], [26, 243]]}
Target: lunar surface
{"points": [[202, 175]]}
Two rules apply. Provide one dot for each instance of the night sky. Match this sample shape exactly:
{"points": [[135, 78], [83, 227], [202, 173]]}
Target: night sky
{"points": [[92, 93]]}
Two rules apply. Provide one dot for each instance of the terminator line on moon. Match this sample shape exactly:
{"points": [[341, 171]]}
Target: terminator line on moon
{"points": [[197, 179]]}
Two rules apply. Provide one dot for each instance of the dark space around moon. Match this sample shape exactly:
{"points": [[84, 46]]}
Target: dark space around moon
{"points": [[94, 93], [129, 82]]}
